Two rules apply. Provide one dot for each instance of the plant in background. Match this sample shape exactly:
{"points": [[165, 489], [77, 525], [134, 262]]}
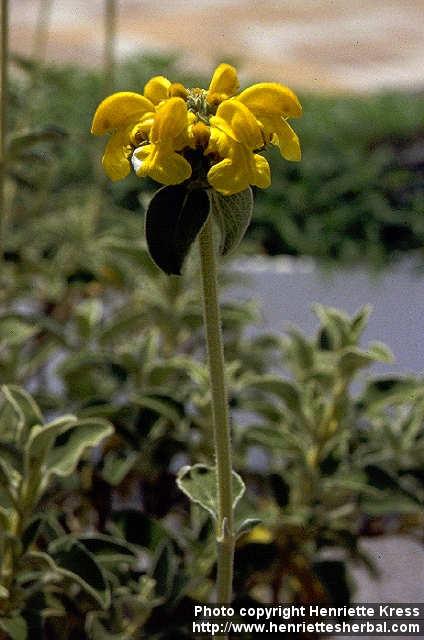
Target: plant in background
{"points": [[33, 454], [336, 461], [203, 145]]}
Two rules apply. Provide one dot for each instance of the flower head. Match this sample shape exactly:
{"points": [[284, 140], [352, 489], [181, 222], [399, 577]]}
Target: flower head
{"points": [[212, 137]]}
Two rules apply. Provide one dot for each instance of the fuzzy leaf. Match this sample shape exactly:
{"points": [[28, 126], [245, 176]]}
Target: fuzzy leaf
{"points": [[139, 529], [233, 214], [353, 358], [392, 390], [283, 389], [25, 410], [63, 459], [199, 483], [174, 218], [42, 437]]}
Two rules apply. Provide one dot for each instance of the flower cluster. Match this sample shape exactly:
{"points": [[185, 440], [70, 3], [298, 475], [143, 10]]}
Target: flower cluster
{"points": [[213, 136]]}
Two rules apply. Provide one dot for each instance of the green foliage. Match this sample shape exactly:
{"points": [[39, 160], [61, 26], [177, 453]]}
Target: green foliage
{"points": [[357, 194], [33, 453], [335, 459]]}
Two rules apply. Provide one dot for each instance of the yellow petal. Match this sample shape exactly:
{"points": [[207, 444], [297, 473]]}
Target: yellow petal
{"points": [[271, 98], [236, 120], [156, 89], [262, 172], [287, 141], [224, 80], [118, 110], [219, 142], [115, 159], [170, 120], [223, 178], [237, 171], [162, 165]]}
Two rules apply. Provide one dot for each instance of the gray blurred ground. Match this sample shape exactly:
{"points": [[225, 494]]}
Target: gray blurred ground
{"points": [[357, 45]]}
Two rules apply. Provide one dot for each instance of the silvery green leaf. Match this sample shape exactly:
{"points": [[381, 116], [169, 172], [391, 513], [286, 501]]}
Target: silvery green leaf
{"points": [[233, 214], [63, 459], [353, 358], [199, 483], [23, 410]]}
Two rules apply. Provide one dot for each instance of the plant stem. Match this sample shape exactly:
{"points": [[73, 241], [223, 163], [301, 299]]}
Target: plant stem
{"points": [[220, 416], [41, 33], [110, 42], [3, 106]]}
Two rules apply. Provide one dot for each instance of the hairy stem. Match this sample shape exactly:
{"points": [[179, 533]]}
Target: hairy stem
{"points": [[220, 416]]}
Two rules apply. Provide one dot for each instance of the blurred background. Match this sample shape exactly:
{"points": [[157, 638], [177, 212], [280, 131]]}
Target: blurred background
{"points": [[333, 453], [309, 44]]}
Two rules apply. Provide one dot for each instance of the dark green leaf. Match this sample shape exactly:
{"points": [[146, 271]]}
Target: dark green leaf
{"points": [[31, 532], [137, 528], [107, 549], [164, 569], [76, 563], [174, 218]]}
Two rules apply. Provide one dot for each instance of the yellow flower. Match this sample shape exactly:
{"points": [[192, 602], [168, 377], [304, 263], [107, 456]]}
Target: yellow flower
{"points": [[272, 104], [212, 136], [235, 134], [119, 114], [157, 89], [224, 84], [159, 158]]}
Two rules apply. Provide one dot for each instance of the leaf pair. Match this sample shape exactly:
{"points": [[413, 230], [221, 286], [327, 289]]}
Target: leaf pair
{"points": [[177, 213]]}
